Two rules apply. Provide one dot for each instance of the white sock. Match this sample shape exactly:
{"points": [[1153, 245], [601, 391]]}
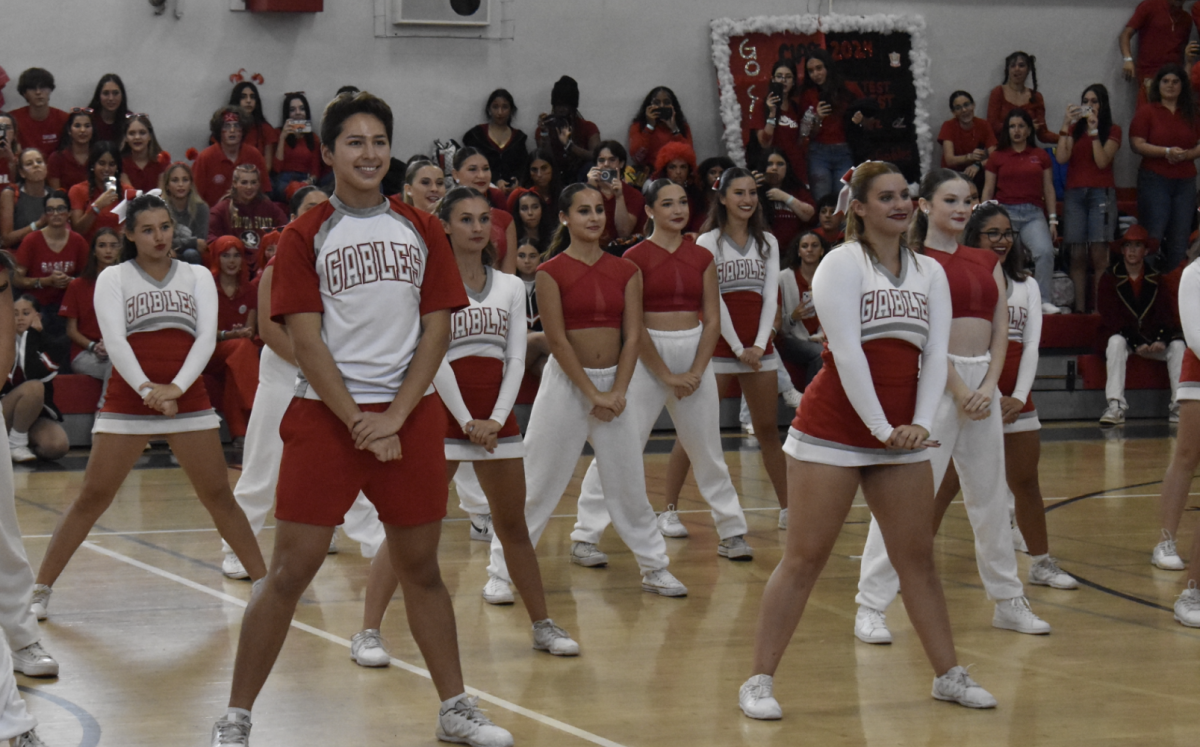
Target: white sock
{"points": [[237, 714], [448, 704], [1040, 558], [18, 438]]}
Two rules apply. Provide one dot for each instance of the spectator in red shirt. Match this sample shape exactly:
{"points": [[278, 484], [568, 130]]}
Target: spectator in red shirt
{"points": [[1163, 28], [571, 138], [472, 169], [298, 150], [1089, 141], [213, 168], [259, 134], [235, 359], [830, 223], [67, 166], [47, 261], [88, 354], [1020, 177], [9, 145], [832, 98], [677, 162], [966, 140], [22, 205], [1165, 134], [658, 122], [784, 122], [624, 206], [424, 185], [92, 201], [541, 178], [505, 146], [246, 214], [142, 161], [710, 171], [788, 206], [1012, 93], [109, 107], [39, 124]]}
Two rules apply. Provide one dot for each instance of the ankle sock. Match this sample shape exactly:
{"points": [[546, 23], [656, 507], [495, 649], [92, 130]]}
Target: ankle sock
{"points": [[18, 438], [448, 704], [237, 714], [1039, 558]]}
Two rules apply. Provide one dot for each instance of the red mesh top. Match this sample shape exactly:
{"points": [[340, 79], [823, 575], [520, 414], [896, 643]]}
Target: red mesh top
{"points": [[671, 281], [592, 295], [973, 291]]}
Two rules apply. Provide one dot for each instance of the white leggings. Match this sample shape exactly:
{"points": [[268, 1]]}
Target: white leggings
{"points": [[977, 447], [559, 425], [697, 426], [255, 490], [1116, 356]]}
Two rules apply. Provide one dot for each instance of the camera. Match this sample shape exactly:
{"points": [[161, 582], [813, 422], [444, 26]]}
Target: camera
{"points": [[304, 126], [556, 123], [606, 175]]}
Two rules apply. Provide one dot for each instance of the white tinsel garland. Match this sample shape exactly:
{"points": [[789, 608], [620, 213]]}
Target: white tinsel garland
{"points": [[731, 111]]}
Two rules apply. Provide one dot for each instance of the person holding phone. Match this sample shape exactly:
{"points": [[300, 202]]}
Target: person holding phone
{"points": [[92, 202], [570, 138], [966, 140], [1014, 93], [298, 152], [832, 98], [659, 121], [785, 123]]}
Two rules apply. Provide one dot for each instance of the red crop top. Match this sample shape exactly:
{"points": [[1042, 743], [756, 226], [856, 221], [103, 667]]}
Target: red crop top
{"points": [[973, 291], [671, 281], [592, 296]]}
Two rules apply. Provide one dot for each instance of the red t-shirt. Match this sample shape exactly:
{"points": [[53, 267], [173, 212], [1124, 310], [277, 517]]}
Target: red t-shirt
{"points": [[102, 130], [965, 141], [42, 135], [5, 176], [62, 166], [1020, 176], [645, 143], [81, 197], [260, 137], [501, 220], [635, 204], [785, 224], [1083, 171], [231, 311], [40, 261], [213, 172], [1155, 124], [999, 108], [1162, 32], [833, 128], [299, 158], [78, 303], [142, 179]]}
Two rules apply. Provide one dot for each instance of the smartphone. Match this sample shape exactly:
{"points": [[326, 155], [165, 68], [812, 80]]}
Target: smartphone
{"points": [[664, 112], [304, 125], [775, 89], [1086, 111]]}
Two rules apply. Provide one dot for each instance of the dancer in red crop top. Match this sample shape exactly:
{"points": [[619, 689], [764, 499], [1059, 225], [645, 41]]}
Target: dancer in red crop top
{"points": [[591, 308], [680, 287], [968, 420]]}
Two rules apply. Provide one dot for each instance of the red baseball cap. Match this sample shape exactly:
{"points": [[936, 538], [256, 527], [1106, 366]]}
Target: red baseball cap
{"points": [[1135, 233]]}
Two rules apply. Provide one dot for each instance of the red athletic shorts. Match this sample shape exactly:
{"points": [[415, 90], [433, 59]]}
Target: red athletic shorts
{"points": [[321, 472]]}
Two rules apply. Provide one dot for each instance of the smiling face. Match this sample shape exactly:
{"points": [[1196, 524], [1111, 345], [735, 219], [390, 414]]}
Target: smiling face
{"points": [[470, 225], [105, 167], [110, 97], [137, 136], [584, 217], [362, 154], [296, 110], [33, 166], [231, 262], [529, 206], [151, 232], [810, 249], [740, 198], [950, 207], [428, 186], [670, 210], [888, 206], [964, 109], [24, 313], [475, 172], [81, 129], [541, 172], [56, 212], [996, 235], [816, 71], [245, 186], [108, 250]]}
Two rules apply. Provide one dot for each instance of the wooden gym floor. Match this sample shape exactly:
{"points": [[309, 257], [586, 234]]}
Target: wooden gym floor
{"points": [[145, 629]]}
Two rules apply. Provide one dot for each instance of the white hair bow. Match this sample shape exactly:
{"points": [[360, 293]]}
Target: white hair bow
{"points": [[120, 210]]}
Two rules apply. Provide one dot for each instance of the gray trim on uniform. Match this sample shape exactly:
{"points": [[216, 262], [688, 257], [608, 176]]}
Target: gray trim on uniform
{"points": [[882, 330], [806, 438], [147, 277], [488, 274], [180, 416], [905, 261], [178, 321]]}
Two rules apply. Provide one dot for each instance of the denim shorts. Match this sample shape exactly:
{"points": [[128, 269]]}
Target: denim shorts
{"points": [[1091, 215]]}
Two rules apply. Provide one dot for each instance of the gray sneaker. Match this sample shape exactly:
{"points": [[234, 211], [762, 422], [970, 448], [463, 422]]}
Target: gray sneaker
{"points": [[464, 723], [40, 603], [669, 524], [661, 582], [481, 527], [957, 686], [231, 733], [28, 739], [735, 548], [1187, 607], [587, 555], [757, 699], [33, 661], [550, 638], [367, 649], [1113, 415], [1046, 572], [1165, 555], [232, 567]]}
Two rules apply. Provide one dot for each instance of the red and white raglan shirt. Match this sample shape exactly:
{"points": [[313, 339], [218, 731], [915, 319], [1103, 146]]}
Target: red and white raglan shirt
{"points": [[884, 360], [482, 372], [162, 332], [372, 273], [1189, 318], [749, 281], [1021, 361]]}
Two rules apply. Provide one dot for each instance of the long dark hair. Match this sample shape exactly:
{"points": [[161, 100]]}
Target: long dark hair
{"points": [[718, 216], [680, 119], [959, 94], [1014, 263], [562, 237], [545, 227], [833, 90], [99, 148], [446, 209], [92, 268], [791, 180], [462, 154], [932, 182], [1185, 104], [235, 99], [789, 258], [1029, 60], [501, 93], [651, 191], [95, 105], [543, 154], [287, 105], [65, 141], [1103, 117], [1004, 140], [136, 207]]}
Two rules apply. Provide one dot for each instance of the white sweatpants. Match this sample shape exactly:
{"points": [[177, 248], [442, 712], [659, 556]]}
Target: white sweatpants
{"points": [[470, 493], [1117, 355], [559, 425], [255, 489], [14, 719], [16, 576], [977, 447], [697, 422]]}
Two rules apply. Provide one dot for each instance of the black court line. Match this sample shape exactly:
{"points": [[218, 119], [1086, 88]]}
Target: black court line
{"points": [[1098, 493], [88, 722]]}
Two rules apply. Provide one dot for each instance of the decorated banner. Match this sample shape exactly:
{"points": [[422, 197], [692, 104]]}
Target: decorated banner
{"points": [[884, 55]]}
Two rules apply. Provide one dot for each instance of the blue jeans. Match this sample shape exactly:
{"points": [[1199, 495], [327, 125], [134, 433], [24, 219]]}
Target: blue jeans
{"points": [[280, 182], [827, 164], [1165, 209], [1091, 215], [1029, 222]]}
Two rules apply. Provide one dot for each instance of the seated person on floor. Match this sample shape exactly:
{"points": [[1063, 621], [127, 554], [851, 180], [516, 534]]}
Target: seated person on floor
{"points": [[27, 399]]}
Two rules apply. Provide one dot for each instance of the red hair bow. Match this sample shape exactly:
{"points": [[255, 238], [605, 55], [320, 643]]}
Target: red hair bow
{"points": [[240, 77], [192, 154], [164, 158]]}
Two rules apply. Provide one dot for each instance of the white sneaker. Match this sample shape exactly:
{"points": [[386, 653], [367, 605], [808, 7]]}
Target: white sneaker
{"points": [[669, 524], [1165, 556], [756, 699], [791, 398], [21, 454], [481, 527], [231, 733], [332, 544], [367, 650], [1113, 414], [748, 429], [957, 686], [28, 739], [496, 591], [783, 518], [232, 567], [40, 603], [33, 661], [1046, 572], [661, 582], [735, 548], [1049, 308], [464, 723], [1018, 539], [587, 555], [549, 637], [1187, 606], [1015, 614], [870, 626]]}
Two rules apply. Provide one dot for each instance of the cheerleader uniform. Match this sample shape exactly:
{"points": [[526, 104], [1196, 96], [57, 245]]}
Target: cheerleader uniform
{"points": [[1020, 362], [884, 359], [560, 423], [1189, 317], [977, 447], [157, 331], [749, 298], [672, 281]]}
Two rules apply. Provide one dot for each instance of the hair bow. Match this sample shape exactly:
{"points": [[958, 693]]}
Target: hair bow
{"points": [[240, 77], [121, 209], [843, 201]]}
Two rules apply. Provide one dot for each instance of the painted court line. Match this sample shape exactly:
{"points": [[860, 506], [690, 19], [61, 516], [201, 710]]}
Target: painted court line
{"points": [[487, 697]]}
